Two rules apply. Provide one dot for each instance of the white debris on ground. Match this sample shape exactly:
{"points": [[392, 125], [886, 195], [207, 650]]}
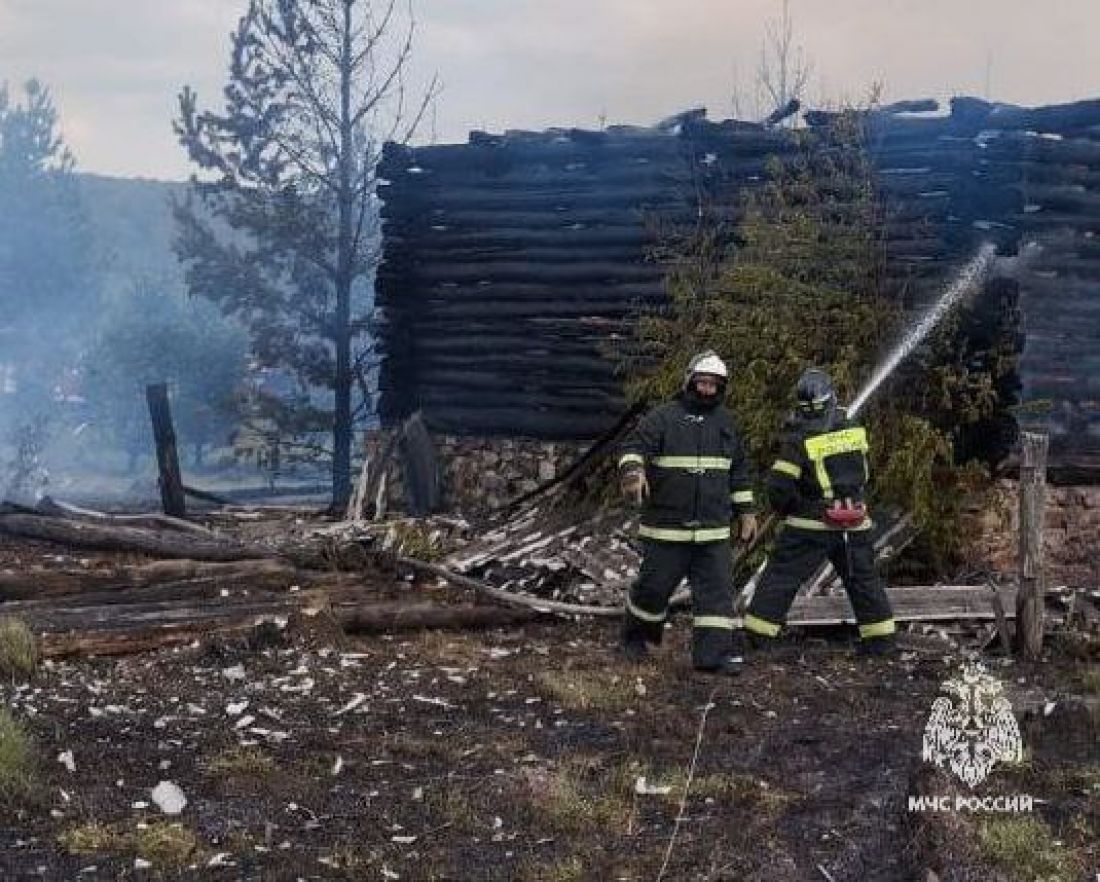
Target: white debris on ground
{"points": [[135, 718], [169, 798]]}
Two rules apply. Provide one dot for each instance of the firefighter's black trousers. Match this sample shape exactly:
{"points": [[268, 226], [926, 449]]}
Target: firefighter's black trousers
{"points": [[707, 567], [798, 553]]}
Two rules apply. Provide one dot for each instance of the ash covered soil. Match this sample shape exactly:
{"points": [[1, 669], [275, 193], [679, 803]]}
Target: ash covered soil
{"points": [[533, 753]]}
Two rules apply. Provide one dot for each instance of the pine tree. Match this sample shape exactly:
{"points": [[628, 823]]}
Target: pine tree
{"points": [[283, 232], [48, 282]]}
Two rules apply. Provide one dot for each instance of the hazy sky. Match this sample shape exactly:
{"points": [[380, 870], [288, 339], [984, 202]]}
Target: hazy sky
{"points": [[115, 66]]}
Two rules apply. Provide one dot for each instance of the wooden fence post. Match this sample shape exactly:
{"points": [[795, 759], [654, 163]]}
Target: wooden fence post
{"points": [[1029, 598], [171, 483]]}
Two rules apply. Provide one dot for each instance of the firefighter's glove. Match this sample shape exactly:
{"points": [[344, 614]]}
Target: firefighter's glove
{"points": [[746, 527], [634, 485]]}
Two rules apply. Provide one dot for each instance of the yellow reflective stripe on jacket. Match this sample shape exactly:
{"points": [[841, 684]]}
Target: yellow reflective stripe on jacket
{"points": [[787, 468], [821, 447], [742, 497], [812, 524], [878, 629], [723, 622], [761, 626], [640, 613], [677, 534], [719, 463], [628, 458]]}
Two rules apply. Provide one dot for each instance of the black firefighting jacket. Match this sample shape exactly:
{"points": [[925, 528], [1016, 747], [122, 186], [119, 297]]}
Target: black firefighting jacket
{"points": [[697, 472], [815, 468]]}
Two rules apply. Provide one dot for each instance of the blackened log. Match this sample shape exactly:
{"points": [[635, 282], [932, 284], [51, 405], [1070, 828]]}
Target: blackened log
{"points": [[34, 584], [510, 361], [206, 495], [144, 638], [677, 175], [909, 185], [1054, 222], [390, 618], [592, 149], [465, 345], [594, 218], [1054, 118], [1070, 151], [1072, 383], [505, 311], [57, 508], [520, 199], [559, 328], [397, 182], [519, 423], [404, 294], [498, 236], [593, 401], [1074, 280], [104, 538], [164, 435], [425, 254], [459, 273]]}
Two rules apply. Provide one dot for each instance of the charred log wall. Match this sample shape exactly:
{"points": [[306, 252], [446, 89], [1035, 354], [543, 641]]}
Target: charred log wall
{"points": [[512, 261]]}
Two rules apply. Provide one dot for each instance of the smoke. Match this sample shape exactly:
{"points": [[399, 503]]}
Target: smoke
{"points": [[24, 477]]}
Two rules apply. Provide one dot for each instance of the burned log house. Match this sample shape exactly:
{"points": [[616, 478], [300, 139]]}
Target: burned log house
{"points": [[510, 260]]}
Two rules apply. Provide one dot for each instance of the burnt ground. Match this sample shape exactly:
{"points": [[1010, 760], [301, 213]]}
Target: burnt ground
{"points": [[518, 755]]}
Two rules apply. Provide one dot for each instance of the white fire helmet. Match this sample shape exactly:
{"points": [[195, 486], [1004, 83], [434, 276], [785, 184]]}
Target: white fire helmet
{"points": [[706, 363]]}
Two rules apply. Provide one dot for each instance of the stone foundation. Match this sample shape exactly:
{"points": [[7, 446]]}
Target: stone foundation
{"points": [[1071, 537], [482, 473]]}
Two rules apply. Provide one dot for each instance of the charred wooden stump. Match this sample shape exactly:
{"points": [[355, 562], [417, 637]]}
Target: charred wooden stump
{"points": [[164, 435]]}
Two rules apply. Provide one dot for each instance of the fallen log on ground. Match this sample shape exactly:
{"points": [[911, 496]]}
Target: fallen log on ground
{"points": [[132, 641], [378, 618], [386, 618], [206, 495], [56, 508], [244, 496], [98, 537], [157, 613], [30, 585]]}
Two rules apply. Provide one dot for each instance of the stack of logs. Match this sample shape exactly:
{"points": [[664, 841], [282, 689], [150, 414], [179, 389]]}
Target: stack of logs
{"points": [[347, 577], [510, 263], [133, 583]]}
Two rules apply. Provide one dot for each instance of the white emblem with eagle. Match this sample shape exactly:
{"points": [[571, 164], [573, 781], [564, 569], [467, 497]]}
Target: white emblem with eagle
{"points": [[973, 730]]}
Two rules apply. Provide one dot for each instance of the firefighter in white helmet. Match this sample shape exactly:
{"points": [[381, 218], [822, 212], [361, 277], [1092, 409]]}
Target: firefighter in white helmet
{"points": [[685, 464]]}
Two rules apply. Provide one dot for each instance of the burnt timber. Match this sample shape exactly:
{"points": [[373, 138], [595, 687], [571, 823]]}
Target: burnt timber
{"points": [[512, 261]]}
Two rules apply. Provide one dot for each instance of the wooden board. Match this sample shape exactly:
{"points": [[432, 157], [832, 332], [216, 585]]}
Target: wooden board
{"points": [[917, 604]]}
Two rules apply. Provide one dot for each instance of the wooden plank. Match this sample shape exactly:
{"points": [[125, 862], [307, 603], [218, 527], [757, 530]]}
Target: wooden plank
{"points": [[1029, 602], [920, 604]]}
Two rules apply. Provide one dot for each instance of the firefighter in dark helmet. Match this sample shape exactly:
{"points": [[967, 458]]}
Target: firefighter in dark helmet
{"points": [[817, 485], [685, 464]]}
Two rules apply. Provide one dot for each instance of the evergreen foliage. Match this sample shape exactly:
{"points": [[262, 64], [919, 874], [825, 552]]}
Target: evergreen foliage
{"points": [[799, 283], [48, 281], [314, 90]]}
